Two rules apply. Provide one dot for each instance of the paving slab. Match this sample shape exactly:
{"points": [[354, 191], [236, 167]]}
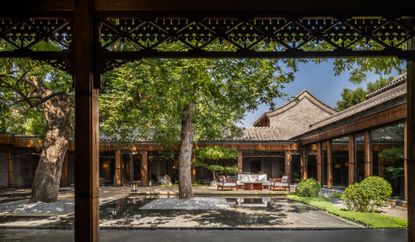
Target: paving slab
{"points": [[345, 235]]}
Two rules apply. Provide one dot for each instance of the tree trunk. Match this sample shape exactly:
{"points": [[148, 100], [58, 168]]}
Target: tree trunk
{"points": [[58, 113], [185, 156]]}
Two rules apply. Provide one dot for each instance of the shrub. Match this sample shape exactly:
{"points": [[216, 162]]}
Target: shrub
{"points": [[367, 195], [231, 170], [215, 169], [308, 188]]}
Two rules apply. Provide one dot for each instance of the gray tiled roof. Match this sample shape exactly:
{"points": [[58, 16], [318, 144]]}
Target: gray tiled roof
{"points": [[260, 134], [394, 94]]}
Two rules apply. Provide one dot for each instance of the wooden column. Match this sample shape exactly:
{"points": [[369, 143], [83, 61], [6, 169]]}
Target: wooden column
{"points": [[131, 167], [117, 174], [10, 170], [329, 169], [64, 177], [144, 169], [86, 123], [410, 144], [193, 175], [288, 166], [405, 157], [352, 159], [368, 154], [240, 161], [303, 164], [319, 162]]}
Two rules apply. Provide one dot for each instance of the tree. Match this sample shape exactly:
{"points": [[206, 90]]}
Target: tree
{"points": [[36, 99], [353, 97], [183, 101]]}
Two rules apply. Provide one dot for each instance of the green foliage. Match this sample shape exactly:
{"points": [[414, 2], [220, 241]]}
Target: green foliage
{"points": [[199, 163], [391, 154], [146, 99], [371, 220], [216, 153], [215, 168], [367, 195], [308, 188], [231, 170], [353, 97]]}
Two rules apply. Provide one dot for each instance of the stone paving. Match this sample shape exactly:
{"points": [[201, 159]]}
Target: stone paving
{"points": [[342, 235]]}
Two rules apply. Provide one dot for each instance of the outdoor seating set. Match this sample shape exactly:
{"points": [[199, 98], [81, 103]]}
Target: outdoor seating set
{"points": [[252, 182]]}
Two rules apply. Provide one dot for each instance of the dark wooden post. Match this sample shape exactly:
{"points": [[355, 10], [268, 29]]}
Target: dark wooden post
{"points": [[352, 159], [319, 162], [368, 154], [10, 172], [303, 164], [405, 157], [144, 169], [288, 166], [118, 167], [131, 167], [240, 161], [410, 144], [329, 150], [86, 123], [64, 177]]}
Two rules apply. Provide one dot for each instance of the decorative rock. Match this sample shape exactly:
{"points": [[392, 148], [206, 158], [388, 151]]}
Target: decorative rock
{"points": [[165, 180]]}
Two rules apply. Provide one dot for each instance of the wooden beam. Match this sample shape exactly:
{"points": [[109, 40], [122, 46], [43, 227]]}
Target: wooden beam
{"points": [[329, 150], [319, 163], [240, 161], [118, 167], [352, 159], [391, 115], [86, 124], [410, 144], [303, 164], [10, 172], [144, 169], [64, 177], [368, 153]]}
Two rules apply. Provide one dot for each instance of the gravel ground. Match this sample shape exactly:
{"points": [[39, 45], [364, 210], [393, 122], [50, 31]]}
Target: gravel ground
{"points": [[198, 203], [23, 207]]}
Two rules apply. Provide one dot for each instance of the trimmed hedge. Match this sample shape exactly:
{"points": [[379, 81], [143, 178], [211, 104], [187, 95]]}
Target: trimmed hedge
{"points": [[367, 195], [308, 188]]}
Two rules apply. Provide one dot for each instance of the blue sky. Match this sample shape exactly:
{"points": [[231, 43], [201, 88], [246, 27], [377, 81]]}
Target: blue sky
{"points": [[319, 80]]}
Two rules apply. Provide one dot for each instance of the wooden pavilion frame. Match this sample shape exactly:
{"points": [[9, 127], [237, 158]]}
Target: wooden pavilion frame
{"points": [[85, 31]]}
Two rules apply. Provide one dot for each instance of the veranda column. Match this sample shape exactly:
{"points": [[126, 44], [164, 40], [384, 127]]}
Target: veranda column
{"points": [[193, 170], [352, 159], [118, 167], [288, 166], [405, 159], [329, 169], [319, 162], [144, 169], [64, 177], [410, 144], [131, 167], [240, 161], [86, 123], [303, 164], [368, 154], [10, 170]]}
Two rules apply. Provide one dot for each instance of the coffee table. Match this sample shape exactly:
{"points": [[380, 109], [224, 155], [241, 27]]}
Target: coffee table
{"points": [[252, 185]]}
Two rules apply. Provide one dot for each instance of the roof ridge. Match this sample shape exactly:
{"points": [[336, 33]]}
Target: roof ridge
{"points": [[399, 80], [364, 103]]}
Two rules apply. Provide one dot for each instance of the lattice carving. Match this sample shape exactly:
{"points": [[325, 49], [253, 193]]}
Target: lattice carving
{"points": [[255, 34], [38, 34]]}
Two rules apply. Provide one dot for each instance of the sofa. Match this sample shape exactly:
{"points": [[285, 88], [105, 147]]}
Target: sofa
{"points": [[242, 177]]}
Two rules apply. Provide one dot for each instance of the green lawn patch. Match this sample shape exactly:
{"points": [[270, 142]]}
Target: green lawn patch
{"points": [[371, 220]]}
